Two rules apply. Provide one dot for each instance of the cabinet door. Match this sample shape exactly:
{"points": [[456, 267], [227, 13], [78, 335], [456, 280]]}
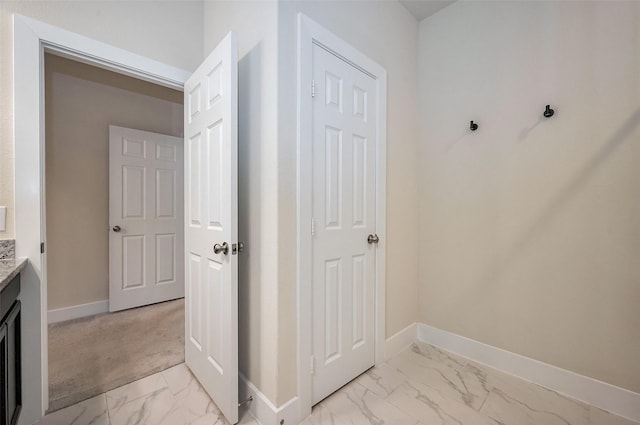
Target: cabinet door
{"points": [[4, 418], [14, 382]]}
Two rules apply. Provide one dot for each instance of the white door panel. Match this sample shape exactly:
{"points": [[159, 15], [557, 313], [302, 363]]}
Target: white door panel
{"points": [[211, 121], [344, 131], [146, 265]]}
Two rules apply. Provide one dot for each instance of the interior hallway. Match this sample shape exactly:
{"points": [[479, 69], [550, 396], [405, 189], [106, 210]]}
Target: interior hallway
{"points": [[423, 385]]}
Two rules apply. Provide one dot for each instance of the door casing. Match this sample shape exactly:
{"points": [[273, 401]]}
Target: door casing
{"points": [[310, 33], [31, 38]]}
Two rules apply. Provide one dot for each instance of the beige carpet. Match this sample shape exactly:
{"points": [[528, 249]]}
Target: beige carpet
{"points": [[92, 355]]}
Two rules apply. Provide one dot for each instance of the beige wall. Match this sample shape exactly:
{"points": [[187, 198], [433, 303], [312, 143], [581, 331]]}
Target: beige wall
{"points": [[530, 228], [80, 103], [168, 31], [255, 22], [388, 34]]}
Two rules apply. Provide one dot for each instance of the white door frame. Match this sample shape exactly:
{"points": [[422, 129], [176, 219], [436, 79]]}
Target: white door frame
{"points": [[31, 38], [310, 33]]}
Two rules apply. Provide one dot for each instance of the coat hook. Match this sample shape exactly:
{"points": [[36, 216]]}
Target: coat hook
{"points": [[473, 126], [548, 112]]}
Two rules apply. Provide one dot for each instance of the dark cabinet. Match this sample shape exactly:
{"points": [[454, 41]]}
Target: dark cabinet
{"points": [[10, 350], [14, 383]]}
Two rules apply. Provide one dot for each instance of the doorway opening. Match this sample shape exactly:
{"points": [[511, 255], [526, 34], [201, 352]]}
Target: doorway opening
{"points": [[31, 39], [91, 351], [218, 76]]}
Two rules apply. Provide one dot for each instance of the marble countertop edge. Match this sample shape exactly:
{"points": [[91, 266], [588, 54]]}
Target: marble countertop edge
{"points": [[9, 268]]}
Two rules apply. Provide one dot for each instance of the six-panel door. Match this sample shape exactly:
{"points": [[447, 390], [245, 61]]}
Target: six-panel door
{"points": [[211, 308], [344, 131], [146, 242]]}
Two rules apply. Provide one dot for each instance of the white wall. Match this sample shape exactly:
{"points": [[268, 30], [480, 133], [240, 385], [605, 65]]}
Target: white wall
{"points": [[81, 101], [530, 228], [255, 22], [168, 31]]}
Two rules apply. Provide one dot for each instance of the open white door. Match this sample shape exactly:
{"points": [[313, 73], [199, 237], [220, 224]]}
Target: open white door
{"points": [[211, 225], [146, 240]]}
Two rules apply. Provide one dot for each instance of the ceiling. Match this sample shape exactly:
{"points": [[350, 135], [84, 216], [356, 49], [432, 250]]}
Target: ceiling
{"points": [[424, 8]]}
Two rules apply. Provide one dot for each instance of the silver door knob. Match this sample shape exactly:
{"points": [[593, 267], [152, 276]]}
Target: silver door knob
{"points": [[224, 248], [116, 229], [373, 239]]}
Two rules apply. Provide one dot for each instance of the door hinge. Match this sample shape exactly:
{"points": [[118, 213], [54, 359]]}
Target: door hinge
{"points": [[313, 365], [41, 247], [313, 227], [313, 88]]}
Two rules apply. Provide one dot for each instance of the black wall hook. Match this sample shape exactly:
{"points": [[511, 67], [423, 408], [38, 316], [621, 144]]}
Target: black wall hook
{"points": [[548, 112], [473, 126]]}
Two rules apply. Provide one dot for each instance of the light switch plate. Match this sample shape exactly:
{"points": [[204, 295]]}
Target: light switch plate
{"points": [[3, 219]]}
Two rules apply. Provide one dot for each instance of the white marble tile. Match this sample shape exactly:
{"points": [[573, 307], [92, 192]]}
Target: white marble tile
{"points": [[178, 378], [513, 401], [152, 409], [439, 355], [508, 410], [456, 384], [217, 419], [381, 380], [142, 387], [194, 400], [601, 417], [473, 372], [421, 386], [355, 405], [89, 412], [320, 415], [184, 401], [428, 406], [189, 394]]}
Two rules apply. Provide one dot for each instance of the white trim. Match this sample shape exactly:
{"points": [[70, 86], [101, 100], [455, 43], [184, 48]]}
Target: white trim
{"points": [[310, 33], [263, 410], [78, 311], [608, 397], [96, 53], [30, 39], [400, 341]]}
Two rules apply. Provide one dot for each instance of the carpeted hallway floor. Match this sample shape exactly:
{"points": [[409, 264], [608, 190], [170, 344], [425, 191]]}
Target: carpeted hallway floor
{"points": [[92, 355]]}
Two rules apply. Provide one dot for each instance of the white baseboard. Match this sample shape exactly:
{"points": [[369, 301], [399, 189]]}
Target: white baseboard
{"points": [[264, 411], [77, 311], [608, 397], [395, 344]]}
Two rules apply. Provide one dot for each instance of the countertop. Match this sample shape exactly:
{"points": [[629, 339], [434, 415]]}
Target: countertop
{"points": [[9, 268]]}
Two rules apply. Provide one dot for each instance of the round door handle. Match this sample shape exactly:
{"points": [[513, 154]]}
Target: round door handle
{"points": [[373, 239], [221, 249], [117, 229]]}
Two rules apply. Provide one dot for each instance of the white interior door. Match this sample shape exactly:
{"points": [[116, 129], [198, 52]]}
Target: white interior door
{"points": [[344, 196], [146, 239], [211, 210]]}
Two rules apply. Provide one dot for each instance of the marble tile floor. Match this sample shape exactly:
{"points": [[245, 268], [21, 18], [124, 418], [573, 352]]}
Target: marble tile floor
{"points": [[423, 385], [170, 397]]}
